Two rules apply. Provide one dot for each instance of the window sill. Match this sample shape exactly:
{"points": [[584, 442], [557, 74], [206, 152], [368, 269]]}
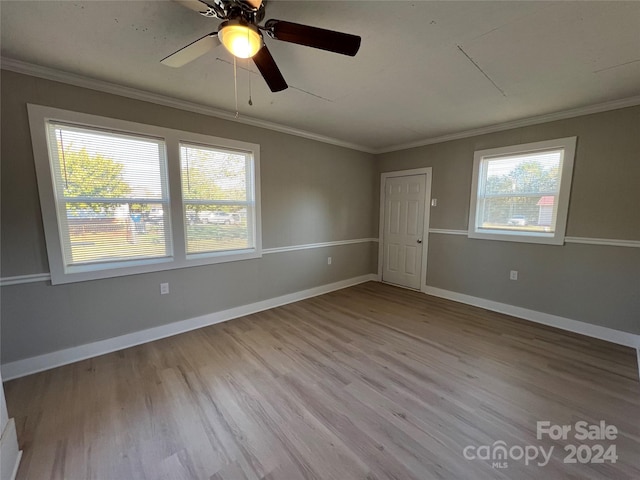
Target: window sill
{"points": [[82, 273], [518, 236]]}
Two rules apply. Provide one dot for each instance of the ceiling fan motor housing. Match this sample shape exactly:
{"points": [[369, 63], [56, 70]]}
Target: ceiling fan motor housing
{"points": [[233, 9]]}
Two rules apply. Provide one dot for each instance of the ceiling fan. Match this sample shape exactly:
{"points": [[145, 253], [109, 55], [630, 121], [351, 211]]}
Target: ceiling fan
{"points": [[242, 35]]}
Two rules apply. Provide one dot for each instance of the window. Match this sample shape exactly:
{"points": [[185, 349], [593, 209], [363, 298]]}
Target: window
{"points": [[217, 195], [521, 193], [120, 198], [107, 186]]}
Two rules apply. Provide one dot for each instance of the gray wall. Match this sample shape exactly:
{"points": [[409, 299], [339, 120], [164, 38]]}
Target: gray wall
{"points": [[595, 284], [314, 192], [311, 192]]}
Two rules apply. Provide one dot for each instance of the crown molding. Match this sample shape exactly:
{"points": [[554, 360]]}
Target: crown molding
{"points": [[55, 75], [525, 122], [48, 73]]}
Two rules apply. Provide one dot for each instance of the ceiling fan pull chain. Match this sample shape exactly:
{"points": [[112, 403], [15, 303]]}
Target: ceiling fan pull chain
{"points": [[235, 83], [249, 70], [249, 67]]}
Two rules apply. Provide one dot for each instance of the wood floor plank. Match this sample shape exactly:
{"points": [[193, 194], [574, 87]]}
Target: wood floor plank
{"points": [[370, 382]]}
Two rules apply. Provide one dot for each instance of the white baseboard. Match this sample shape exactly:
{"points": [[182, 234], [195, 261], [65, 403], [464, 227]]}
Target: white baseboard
{"points": [[596, 331], [27, 366], [10, 454]]}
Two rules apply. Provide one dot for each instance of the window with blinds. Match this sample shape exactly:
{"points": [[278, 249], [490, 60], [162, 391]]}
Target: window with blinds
{"points": [[521, 192], [218, 197], [111, 195], [123, 198]]}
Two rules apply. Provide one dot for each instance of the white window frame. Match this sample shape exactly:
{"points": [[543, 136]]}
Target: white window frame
{"points": [[60, 274], [250, 180], [568, 144]]}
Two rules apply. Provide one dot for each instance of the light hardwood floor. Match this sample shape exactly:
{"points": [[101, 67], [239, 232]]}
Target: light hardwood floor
{"points": [[370, 382]]}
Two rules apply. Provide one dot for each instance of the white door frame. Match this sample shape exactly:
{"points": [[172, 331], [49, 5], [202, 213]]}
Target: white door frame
{"points": [[427, 210]]}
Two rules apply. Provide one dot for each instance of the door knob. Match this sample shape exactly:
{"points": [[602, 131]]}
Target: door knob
{"points": [[419, 240]]}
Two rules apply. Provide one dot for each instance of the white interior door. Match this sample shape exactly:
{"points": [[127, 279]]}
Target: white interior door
{"points": [[403, 230]]}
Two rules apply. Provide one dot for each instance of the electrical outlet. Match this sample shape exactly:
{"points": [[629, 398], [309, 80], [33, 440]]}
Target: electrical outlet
{"points": [[164, 288], [513, 275], [329, 260], [434, 202]]}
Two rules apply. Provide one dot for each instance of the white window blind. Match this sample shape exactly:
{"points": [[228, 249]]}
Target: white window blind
{"points": [[219, 201], [521, 192], [111, 195]]}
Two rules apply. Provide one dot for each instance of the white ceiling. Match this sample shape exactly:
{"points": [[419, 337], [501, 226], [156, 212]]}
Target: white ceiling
{"points": [[425, 69]]}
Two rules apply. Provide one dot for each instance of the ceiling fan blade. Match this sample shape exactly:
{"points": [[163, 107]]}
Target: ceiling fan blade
{"points": [[192, 51], [336, 42], [269, 70]]}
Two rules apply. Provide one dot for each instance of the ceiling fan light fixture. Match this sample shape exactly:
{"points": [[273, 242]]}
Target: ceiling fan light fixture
{"points": [[241, 39]]}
